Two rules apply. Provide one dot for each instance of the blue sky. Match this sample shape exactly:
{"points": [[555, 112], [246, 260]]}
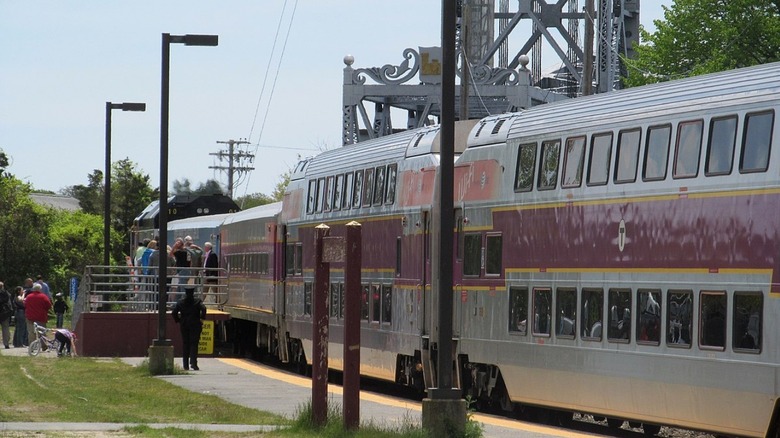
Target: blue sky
{"points": [[61, 61]]}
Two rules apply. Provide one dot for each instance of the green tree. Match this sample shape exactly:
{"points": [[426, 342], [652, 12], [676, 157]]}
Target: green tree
{"points": [[281, 186], [24, 227], [131, 192], [253, 200], [90, 196], [77, 240], [705, 36]]}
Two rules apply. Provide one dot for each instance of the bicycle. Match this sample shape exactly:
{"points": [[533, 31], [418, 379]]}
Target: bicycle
{"points": [[43, 343]]}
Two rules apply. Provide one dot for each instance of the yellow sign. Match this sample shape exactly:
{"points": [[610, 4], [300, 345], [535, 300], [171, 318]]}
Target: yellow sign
{"points": [[206, 342]]}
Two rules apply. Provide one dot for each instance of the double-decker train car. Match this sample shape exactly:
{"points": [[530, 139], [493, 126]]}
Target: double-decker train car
{"points": [[615, 255]]}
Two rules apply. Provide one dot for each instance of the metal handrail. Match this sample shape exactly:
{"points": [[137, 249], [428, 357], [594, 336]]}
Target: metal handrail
{"points": [[125, 289]]}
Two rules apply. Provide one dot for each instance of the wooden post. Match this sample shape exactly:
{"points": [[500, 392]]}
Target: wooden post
{"points": [[352, 280], [319, 365]]}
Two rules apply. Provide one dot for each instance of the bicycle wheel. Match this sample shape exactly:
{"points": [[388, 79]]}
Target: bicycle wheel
{"points": [[34, 348]]}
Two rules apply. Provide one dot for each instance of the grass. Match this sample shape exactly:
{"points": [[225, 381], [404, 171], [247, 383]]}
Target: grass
{"points": [[92, 390]]}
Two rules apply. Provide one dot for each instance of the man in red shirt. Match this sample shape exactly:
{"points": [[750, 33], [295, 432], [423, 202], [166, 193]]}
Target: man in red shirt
{"points": [[36, 309]]}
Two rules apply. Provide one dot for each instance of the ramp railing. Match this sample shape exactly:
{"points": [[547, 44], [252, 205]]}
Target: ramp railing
{"points": [[132, 289]]}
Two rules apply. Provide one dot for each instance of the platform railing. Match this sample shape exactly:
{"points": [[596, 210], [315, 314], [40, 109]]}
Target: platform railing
{"points": [[129, 289]]}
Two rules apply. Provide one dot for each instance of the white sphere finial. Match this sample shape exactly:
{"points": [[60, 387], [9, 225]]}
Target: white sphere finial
{"points": [[349, 60], [523, 61]]}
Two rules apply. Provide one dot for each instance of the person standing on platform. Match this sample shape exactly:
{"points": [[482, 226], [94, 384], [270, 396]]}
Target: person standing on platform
{"points": [[211, 274], [188, 313], [60, 307], [20, 324], [6, 311], [36, 309]]}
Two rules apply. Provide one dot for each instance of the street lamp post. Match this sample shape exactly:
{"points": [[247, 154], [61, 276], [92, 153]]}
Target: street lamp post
{"points": [[161, 364], [125, 106]]}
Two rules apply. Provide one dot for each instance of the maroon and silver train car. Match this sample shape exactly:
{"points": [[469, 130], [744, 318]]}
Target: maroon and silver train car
{"points": [[615, 255]]}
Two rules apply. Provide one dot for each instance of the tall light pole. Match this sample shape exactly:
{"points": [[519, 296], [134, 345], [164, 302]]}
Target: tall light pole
{"points": [[162, 341], [125, 106]]}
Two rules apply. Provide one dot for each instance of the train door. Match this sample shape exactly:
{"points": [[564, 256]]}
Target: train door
{"points": [[459, 294], [425, 278]]}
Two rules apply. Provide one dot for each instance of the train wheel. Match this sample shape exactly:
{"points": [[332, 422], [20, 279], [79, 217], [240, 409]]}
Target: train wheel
{"points": [[651, 429], [614, 423]]}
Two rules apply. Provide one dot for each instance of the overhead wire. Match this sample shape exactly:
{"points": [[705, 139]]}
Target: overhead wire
{"points": [[247, 176]]}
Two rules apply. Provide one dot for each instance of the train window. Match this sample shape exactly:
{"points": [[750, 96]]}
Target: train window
{"points": [[357, 193], [472, 254], [311, 199], [566, 313], [526, 163], [657, 152], [387, 303], [748, 308], [712, 310], [518, 310], [338, 192], [346, 199], [627, 156], [686, 162], [307, 288], [548, 164], [376, 302], [755, 142], [262, 263], [648, 317], [368, 187], [379, 185], [289, 259], [720, 148], [328, 201], [600, 156], [392, 173], [542, 312], [592, 316], [334, 300], [341, 300], [493, 244], [318, 202], [573, 160], [364, 302], [679, 318], [299, 258], [619, 316]]}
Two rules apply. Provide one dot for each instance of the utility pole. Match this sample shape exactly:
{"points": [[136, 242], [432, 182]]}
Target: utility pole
{"points": [[235, 161]]}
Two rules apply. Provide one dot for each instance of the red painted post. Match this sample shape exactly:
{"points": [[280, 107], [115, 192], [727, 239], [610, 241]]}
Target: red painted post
{"points": [[352, 265], [319, 363]]}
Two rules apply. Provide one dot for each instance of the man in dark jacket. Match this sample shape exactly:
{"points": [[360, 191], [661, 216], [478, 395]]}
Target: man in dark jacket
{"points": [[211, 273], [188, 313]]}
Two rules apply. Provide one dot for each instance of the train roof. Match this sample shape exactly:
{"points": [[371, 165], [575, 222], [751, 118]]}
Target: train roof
{"points": [[259, 212], [211, 221], [390, 148], [717, 89]]}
